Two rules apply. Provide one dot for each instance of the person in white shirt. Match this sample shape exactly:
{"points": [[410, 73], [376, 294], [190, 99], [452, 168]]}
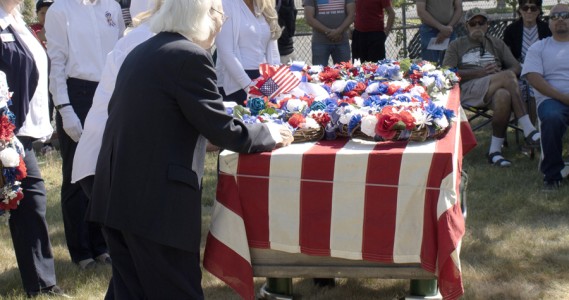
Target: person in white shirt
{"points": [[80, 34], [247, 39], [85, 160], [25, 64]]}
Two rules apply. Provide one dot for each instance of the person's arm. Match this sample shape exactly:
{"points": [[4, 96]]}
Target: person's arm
{"points": [[541, 85], [58, 51], [390, 19], [202, 106], [273, 56], [427, 18], [509, 61], [457, 15], [310, 17], [336, 34]]}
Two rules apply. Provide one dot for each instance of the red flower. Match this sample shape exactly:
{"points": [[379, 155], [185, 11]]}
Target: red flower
{"points": [[21, 170], [296, 119], [12, 204], [307, 99], [392, 88], [6, 128], [390, 122], [329, 75], [360, 88], [321, 118]]}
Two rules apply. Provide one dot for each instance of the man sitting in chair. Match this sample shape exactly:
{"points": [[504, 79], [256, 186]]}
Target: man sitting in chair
{"points": [[547, 69], [489, 79]]}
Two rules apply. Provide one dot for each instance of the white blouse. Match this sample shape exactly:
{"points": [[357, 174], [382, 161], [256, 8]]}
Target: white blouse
{"points": [[79, 35], [37, 124]]}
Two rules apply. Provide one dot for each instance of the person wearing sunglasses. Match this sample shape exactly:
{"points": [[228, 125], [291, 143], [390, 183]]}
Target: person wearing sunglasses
{"points": [[489, 79], [546, 68], [520, 35]]}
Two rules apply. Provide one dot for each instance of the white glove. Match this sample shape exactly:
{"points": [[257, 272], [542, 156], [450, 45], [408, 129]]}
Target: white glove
{"points": [[71, 123]]}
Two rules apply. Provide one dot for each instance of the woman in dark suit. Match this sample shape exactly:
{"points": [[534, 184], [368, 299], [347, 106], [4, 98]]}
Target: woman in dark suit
{"points": [[520, 35], [24, 62], [147, 190]]}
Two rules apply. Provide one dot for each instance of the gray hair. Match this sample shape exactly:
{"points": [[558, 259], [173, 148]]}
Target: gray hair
{"points": [[188, 17]]}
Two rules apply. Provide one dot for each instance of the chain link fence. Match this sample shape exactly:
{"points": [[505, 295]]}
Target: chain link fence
{"points": [[404, 35]]}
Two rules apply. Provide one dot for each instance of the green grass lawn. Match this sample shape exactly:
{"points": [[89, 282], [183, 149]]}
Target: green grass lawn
{"points": [[516, 244]]}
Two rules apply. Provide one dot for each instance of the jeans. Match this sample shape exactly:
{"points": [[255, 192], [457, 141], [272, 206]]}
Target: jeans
{"points": [[427, 33], [322, 52], [553, 120]]}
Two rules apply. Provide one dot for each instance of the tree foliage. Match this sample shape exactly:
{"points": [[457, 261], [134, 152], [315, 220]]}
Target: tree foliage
{"points": [[28, 10]]}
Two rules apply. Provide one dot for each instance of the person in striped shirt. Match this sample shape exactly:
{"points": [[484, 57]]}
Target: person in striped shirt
{"points": [[520, 35]]}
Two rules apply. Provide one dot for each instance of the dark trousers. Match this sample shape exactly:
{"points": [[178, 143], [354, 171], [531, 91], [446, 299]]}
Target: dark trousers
{"points": [[29, 229], [368, 46], [553, 121], [240, 96], [84, 239], [144, 269]]}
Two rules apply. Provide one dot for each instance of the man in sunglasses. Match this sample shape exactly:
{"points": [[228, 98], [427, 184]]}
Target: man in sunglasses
{"points": [[489, 79], [546, 67]]}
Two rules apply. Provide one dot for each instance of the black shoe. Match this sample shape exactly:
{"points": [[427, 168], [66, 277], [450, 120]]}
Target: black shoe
{"points": [[104, 259], [551, 185], [54, 291], [324, 282]]}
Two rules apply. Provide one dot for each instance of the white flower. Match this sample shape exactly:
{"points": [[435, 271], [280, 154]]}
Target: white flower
{"points": [[372, 87], [428, 81], [442, 122], [428, 67], [359, 101], [417, 90], [10, 157], [338, 86], [295, 105], [311, 123], [422, 119], [368, 124]]}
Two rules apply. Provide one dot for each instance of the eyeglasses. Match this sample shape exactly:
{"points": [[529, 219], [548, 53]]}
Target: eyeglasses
{"points": [[558, 16], [481, 22], [527, 8], [223, 16]]}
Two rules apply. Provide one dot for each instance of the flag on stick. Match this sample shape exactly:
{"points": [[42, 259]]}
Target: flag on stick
{"points": [[282, 81]]}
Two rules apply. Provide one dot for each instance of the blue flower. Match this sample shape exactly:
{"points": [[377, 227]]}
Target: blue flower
{"points": [[350, 85], [256, 105], [354, 121], [318, 105]]}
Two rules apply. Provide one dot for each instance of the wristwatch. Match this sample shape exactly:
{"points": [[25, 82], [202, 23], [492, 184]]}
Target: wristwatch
{"points": [[60, 106]]}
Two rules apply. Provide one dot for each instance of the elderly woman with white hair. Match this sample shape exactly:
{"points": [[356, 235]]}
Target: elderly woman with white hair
{"points": [[147, 189]]}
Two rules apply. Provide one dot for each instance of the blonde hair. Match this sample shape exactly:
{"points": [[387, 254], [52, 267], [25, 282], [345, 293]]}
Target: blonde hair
{"points": [[268, 11], [143, 16], [188, 17]]}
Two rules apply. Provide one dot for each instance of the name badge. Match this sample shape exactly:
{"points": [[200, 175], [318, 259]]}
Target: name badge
{"points": [[7, 37]]}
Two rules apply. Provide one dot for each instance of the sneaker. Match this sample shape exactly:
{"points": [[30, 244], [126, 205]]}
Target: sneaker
{"points": [[54, 291], [551, 185]]}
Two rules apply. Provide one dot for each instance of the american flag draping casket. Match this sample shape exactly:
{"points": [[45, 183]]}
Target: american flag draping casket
{"points": [[391, 202]]}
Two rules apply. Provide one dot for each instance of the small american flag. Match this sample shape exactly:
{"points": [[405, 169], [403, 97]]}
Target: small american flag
{"points": [[281, 82]]}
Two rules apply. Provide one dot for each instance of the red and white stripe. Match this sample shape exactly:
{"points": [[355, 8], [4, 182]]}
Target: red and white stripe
{"points": [[394, 202]]}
